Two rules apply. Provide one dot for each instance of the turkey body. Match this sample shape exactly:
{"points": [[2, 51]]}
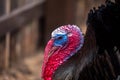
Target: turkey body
{"points": [[99, 57], [105, 22]]}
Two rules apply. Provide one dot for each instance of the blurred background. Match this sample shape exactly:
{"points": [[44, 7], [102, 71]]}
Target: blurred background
{"points": [[25, 28]]}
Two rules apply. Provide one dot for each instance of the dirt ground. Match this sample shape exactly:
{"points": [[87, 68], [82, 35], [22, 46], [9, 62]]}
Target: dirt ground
{"points": [[28, 69]]}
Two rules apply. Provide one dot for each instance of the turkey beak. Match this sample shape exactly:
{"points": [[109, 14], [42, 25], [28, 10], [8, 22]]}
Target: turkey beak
{"points": [[53, 49], [50, 49]]}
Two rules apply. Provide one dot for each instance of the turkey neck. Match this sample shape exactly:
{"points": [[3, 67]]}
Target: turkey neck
{"points": [[71, 69]]}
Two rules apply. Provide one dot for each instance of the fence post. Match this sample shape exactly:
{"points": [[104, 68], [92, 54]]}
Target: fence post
{"points": [[7, 39]]}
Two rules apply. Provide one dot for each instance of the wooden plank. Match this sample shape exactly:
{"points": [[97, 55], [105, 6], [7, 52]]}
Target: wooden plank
{"points": [[7, 45], [20, 17], [21, 3], [7, 6], [2, 51], [59, 12], [6, 55], [117, 1], [15, 49], [14, 4], [29, 38], [2, 7]]}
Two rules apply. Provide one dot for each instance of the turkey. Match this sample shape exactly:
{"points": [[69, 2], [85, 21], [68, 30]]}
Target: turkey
{"points": [[70, 55]]}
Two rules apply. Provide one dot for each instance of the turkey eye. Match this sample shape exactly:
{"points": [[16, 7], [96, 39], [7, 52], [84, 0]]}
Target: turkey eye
{"points": [[59, 38]]}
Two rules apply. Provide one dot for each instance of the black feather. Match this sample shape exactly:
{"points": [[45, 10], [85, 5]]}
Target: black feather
{"points": [[105, 22]]}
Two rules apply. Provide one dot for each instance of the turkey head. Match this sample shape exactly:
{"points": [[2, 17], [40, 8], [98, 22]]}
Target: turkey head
{"points": [[64, 43]]}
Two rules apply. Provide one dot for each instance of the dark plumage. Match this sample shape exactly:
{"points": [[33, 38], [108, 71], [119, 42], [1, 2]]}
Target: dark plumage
{"points": [[105, 22]]}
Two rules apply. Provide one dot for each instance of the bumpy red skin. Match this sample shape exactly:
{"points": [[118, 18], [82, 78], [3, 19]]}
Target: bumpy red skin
{"points": [[61, 54]]}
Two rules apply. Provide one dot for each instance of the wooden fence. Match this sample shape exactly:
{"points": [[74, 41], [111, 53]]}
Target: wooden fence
{"points": [[22, 20], [19, 22]]}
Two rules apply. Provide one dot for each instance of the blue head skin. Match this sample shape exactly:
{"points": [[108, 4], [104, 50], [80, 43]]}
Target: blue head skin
{"points": [[60, 39]]}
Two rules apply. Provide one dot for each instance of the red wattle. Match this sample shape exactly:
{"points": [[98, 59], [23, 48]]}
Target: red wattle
{"points": [[46, 54]]}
